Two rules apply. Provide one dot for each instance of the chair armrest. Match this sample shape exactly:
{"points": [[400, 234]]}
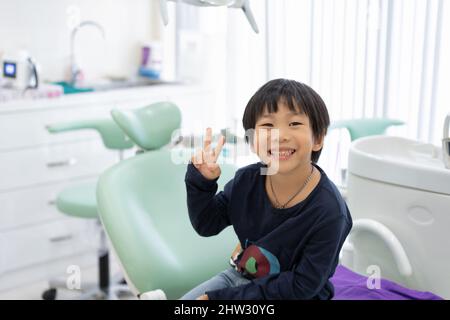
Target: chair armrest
{"points": [[385, 235]]}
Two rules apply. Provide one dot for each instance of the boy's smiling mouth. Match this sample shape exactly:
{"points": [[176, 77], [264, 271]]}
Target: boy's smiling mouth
{"points": [[281, 153]]}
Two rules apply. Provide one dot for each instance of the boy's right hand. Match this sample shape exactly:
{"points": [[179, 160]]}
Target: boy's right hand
{"points": [[206, 160], [236, 252]]}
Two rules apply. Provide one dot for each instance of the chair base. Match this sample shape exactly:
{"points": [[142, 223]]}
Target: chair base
{"points": [[90, 292], [105, 289]]}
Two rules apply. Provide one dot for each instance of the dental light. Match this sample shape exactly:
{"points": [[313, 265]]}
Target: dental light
{"points": [[242, 4]]}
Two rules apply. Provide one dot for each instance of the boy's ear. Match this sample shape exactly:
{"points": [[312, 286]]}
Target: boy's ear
{"points": [[318, 143], [251, 140]]}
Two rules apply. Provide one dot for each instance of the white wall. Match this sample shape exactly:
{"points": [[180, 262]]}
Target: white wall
{"points": [[42, 27]]}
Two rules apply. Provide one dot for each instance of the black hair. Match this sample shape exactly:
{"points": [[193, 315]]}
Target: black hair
{"points": [[297, 96]]}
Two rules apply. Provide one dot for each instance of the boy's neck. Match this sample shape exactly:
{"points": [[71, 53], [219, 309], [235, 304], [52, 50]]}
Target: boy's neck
{"points": [[284, 182]]}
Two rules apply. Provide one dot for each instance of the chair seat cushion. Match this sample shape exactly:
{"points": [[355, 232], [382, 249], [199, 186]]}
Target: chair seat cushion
{"points": [[78, 201]]}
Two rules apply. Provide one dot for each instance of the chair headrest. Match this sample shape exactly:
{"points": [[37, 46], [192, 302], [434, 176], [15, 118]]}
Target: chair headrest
{"points": [[150, 127], [112, 136], [359, 128]]}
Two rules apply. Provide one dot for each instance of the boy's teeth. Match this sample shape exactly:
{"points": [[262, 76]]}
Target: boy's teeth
{"points": [[282, 153]]}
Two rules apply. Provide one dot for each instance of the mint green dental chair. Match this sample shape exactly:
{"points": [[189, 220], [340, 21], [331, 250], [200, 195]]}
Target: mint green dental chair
{"points": [[142, 205], [79, 201], [358, 128]]}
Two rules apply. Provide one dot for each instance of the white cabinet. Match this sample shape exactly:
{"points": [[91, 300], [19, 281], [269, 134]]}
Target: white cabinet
{"points": [[35, 166], [28, 129], [32, 166], [44, 242], [33, 205]]}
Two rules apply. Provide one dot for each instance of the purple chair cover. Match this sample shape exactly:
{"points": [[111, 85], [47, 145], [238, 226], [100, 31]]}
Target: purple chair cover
{"points": [[352, 286]]}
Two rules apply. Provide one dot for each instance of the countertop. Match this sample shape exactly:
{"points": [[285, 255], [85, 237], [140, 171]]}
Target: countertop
{"points": [[116, 95]]}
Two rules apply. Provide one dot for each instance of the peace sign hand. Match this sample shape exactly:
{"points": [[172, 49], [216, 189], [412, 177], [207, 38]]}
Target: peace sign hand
{"points": [[205, 160]]}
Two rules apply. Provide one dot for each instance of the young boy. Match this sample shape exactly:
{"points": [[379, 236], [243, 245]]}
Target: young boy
{"points": [[290, 219]]}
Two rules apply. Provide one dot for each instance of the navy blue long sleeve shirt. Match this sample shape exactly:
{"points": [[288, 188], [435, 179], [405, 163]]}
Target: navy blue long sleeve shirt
{"points": [[302, 243]]}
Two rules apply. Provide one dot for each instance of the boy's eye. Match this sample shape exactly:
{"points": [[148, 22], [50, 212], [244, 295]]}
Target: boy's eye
{"points": [[295, 123], [266, 125]]}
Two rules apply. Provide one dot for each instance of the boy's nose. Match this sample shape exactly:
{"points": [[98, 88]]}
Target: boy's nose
{"points": [[283, 134]]}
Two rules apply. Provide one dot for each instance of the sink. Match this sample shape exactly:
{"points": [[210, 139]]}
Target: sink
{"points": [[400, 161], [69, 89], [109, 84]]}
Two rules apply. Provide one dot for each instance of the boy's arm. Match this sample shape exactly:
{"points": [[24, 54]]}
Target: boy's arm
{"points": [[306, 280], [207, 211]]}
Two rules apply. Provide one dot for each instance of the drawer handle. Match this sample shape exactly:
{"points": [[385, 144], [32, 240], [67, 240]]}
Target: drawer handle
{"points": [[61, 238], [62, 163], [51, 202]]}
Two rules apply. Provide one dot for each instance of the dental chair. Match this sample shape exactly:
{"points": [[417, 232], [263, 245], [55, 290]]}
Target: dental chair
{"points": [[79, 201], [142, 205], [358, 128]]}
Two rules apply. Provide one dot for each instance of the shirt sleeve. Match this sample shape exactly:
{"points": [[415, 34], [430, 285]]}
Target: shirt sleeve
{"points": [[208, 211], [306, 280]]}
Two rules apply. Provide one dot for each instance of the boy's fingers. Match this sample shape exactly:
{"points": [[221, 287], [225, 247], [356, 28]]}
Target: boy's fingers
{"points": [[219, 147], [208, 155], [198, 157], [194, 161], [212, 165], [207, 141]]}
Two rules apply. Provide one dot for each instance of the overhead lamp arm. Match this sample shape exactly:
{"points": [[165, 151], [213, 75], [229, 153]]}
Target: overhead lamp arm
{"points": [[239, 4]]}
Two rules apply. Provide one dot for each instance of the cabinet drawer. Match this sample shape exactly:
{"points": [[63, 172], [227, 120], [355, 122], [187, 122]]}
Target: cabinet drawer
{"points": [[28, 246], [28, 167], [28, 129], [32, 205]]}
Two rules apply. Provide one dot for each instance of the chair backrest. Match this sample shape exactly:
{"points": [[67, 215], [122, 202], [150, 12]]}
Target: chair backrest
{"points": [[142, 205], [359, 128], [150, 127]]}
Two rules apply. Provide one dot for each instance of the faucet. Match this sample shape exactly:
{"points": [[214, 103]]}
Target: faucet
{"points": [[446, 142], [74, 68]]}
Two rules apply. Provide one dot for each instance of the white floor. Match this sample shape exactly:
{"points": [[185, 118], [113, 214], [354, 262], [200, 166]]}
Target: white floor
{"points": [[33, 291]]}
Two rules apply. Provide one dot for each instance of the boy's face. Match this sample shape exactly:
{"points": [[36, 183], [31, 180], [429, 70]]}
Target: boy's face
{"points": [[284, 140]]}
